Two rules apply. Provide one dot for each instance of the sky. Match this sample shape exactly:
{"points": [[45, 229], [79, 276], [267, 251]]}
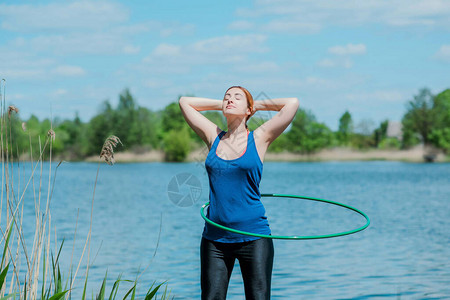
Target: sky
{"points": [[367, 57]]}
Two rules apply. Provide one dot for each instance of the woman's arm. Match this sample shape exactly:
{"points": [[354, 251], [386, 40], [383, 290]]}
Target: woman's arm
{"points": [[191, 107], [270, 130]]}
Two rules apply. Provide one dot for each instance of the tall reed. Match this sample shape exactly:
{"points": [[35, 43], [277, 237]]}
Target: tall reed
{"points": [[35, 273]]}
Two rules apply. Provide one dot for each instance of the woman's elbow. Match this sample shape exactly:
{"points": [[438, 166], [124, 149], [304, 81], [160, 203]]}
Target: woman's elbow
{"points": [[295, 102], [183, 101]]}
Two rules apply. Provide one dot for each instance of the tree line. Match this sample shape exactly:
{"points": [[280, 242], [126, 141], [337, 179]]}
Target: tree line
{"points": [[426, 120]]}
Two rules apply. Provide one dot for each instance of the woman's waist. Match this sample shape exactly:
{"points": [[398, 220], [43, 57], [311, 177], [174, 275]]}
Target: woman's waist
{"points": [[237, 217]]}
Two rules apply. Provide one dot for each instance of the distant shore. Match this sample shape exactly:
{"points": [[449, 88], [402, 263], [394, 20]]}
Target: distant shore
{"points": [[415, 154]]}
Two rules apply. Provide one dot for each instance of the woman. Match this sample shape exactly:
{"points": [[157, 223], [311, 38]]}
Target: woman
{"points": [[234, 165]]}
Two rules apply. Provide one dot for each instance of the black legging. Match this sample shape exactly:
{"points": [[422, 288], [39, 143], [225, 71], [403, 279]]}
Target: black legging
{"points": [[217, 261]]}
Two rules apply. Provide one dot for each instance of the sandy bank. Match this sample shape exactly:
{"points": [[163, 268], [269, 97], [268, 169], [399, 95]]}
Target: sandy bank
{"points": [[336, 154]]}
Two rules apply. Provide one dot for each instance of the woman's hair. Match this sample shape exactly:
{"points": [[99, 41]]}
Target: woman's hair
{"points": [[249, 97]]}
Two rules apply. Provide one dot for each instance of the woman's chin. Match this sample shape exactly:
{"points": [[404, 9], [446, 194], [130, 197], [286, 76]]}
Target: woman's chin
{"points": [[231, 113]]}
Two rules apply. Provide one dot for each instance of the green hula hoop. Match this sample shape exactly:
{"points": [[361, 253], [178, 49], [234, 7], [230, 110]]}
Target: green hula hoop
{"points": [[283, 237]]}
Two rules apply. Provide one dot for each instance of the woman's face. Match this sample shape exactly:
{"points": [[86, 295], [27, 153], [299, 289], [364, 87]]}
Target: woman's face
{"points": [[235, 103]]}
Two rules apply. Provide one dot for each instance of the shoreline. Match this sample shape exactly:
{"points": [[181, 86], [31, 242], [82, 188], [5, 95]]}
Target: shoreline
{"points": [[415, 155]]}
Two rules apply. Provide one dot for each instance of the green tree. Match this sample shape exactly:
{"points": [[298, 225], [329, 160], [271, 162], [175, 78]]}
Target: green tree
{"points": [[390, 143], [361, 141], [70, 133], [172, 119], [307, 135], [144, 130], [319, 137], [441, 139], [440, 134], [125, 117], [362, 137], [32, 126], [14, 139], [176, 145], [418, 119], [29, 137], [99, 128], [280, 144], [57, 143], [380, 133], [345, 129]]}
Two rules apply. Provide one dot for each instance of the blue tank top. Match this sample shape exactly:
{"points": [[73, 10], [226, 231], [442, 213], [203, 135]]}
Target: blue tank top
{"points": [[234, 195]]}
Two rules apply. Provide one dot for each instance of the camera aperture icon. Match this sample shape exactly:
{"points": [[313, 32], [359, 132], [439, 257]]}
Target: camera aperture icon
{"points": [[184, 189]]}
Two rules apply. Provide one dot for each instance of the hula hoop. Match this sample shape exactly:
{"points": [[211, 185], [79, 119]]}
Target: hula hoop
{"points": [[283, 237]]}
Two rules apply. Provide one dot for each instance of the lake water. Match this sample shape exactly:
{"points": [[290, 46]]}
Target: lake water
{"points": [[404, 254]]}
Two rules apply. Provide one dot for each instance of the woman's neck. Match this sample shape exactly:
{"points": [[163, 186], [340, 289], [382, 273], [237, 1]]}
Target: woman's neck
{"points": [[237, 129]]}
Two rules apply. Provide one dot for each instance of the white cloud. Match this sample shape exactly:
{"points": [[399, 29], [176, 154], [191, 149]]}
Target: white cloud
{"points": [[81, 27], [317, 82], [443, 53], [225, 44], [327, 63], [22, 69], [68, 71], [335, 62], [11, 57], [157, 83], [384, 96], [169, 29], [59, 92], [221, 50], [16, 97], [76, 43], [342, 53], [349, 49], [130, 49], [86, 15], [241, 25], [292, 26], [271, 83], [260, 67], [133, 29], [294, 15], [167, 50], [22, 74], [20, 65], [214, 85]]}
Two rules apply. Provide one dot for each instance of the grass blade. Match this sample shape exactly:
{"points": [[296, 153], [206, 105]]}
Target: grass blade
{"points": [[101, 295], [59, 281], [129, 292], [3, 276], [115, 288], [43, 276], [133, 295], [54, 274], [6, 244], [83, 297], [165, 295], [151, 293], [58, 296], [25, 290]]}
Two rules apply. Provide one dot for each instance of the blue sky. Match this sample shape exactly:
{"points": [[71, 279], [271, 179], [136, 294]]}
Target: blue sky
{"points": [[367, 57]]}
